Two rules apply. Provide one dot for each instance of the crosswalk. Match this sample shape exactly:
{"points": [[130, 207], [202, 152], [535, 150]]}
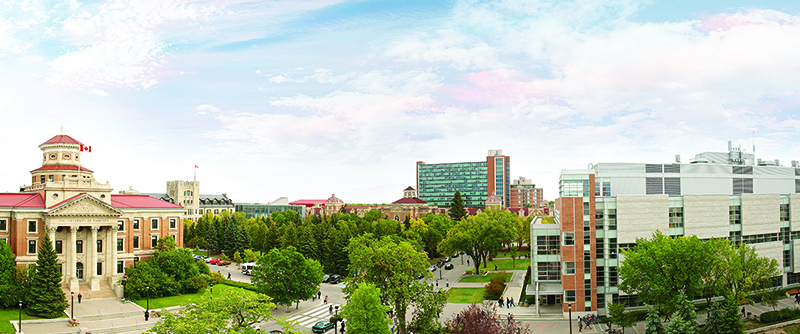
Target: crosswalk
{"points": [[319, 313]]}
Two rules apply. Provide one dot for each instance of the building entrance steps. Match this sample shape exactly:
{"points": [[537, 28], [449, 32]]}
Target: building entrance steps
{"points": [[96, 316]]}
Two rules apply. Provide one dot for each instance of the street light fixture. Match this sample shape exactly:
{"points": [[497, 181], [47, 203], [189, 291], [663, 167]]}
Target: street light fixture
{"points": [[570, 318], [19, 327], [148, 297], [72, 306]]}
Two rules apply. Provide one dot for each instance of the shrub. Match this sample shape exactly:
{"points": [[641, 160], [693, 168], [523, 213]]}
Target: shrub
{"points": [[468, 272], [493, 291], [193, 284], [216, 278], [498, 280], [202, 267], [243, 285]]}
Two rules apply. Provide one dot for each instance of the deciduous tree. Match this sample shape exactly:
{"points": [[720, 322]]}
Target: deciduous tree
{"points": [[481, 319], [477, 236], [287, 276], [364, 311]]}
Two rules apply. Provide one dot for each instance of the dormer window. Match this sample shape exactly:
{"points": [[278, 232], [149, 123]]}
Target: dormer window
{"points": [[66, 156], [52, 156]]}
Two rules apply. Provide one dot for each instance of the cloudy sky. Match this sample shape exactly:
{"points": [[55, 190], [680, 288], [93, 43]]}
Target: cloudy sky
{"points": [[304, 98]]}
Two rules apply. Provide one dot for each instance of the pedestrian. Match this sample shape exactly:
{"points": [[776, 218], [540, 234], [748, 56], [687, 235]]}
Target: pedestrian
{"points": [[447, 284], [146, 315], [313, 297], [508, 317], [211, 289], [330, 309], [580, 325], [326, 300], [743, 313], [666, 319], [508, 301], [437, 284], [319, 294], [588, 323], [500, 301], [80, 296], [229, 275], [495, 267], [467, 261], [512, 302], [797, 299]]}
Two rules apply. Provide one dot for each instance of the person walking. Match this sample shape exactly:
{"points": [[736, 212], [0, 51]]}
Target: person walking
{"points": [[467, 262], [319, 294], [500, 302], [330, 309], [326, 300], [580, 325], [508, 318], [508, 301], [80, 296], [513, 303], [743, 313], [146, 315], [447, 284], [229, 276], [437, 284]]}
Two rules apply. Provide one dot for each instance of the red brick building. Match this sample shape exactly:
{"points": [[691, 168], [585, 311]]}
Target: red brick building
{"points": [[96, 234]]}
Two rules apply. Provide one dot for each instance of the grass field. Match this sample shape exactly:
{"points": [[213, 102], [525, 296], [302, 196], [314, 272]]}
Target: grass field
{"points": [[506, 264], [13, 314], [485, 279], [156, 303], [465, 295]]}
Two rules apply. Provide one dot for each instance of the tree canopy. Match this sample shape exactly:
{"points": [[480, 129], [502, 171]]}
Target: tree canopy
{"points": [[46, 299], [287, 276], [364, 311], [479, 235]]}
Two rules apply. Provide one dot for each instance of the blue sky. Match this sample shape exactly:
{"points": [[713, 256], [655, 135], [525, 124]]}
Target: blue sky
{"points": [[307, 98]]}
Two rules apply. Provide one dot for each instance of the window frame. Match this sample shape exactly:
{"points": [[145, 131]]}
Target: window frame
{"points": [[154, 241], [566, 237], [136, 244], [58, 246], [121, 226], [120, 245], [120, 266], [99, 245], [569, 268], [136, 224], [32, 242], [4, 225], [35, 226], [173, 221], [99, 268], [154, 223], [79, 246]]}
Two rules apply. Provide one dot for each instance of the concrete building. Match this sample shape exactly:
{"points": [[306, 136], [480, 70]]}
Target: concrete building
{"points": [[96, 234], [187, 194], [255, 210], [437, 183], [603, 209]]}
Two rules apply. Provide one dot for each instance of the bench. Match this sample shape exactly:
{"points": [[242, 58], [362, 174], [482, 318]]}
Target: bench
{"points": [[793, 292]]}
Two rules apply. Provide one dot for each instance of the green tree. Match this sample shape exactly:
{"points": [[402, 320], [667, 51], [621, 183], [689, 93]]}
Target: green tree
{"points": [[742, 271], [46, 299], [287, 276], [619, 317], [658, 267], [364, 311], [684, 319], [477, 236], [653, 323], [232, 311], [427, 312], [9, 284], [237, 258], [457, 212], [250, 256], [390, 264], [723, 318]]}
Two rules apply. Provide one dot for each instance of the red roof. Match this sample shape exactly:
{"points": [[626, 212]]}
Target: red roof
{"points": [[61, 139], [308, 202], [409, 188], [141, 201], [63, 167], [409, 200], [21, 200]]}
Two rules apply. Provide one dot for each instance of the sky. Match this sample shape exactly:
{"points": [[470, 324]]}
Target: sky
{"points": [[306, 98]]}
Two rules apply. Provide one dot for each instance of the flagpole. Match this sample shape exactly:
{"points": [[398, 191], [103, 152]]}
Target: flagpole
{"points": [[195, 173]]}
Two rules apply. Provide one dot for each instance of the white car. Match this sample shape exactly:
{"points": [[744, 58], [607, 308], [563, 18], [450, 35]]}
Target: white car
{"points": [[432, 268]]}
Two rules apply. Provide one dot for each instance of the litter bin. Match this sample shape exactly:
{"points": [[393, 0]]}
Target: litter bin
{"points": [[749, 315]]}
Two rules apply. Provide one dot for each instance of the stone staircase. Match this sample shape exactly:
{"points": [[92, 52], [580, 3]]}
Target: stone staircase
{"points": [[96, 315], [85, 289]]}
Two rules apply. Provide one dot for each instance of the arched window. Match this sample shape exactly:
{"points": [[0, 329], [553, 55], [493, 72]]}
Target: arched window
{"points": [[396, 217]]}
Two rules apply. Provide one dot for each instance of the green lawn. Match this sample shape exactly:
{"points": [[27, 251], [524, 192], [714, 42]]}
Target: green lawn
{"points": [[13, 314], [465, 295], [485, 279], [156, 303], [505, 264]]}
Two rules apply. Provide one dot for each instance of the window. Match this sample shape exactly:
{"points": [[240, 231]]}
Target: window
{"points": [[99, 246], [548, 271], [120, 245], [154, 224], [79, 246], [121, 225], [120, 267], [136, 241], [216, 211], [50, 178], [31, 246], [676, 217], [136, 224], [173, 223], [784, 212], [569, 268], [735, 214], [3, 225], [569, 296], [99, 268], [41, 179], [153, 241], [569, 239], [547, 245], [31, 226], [59, 246]]}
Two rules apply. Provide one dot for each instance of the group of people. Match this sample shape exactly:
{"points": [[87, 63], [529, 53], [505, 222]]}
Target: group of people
{"points": [[584, 322], [508, 302]]}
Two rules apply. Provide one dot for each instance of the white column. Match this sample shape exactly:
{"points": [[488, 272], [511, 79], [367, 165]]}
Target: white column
{"points": [[51, 232], [111, 255], [92, 261], [72, 258]]}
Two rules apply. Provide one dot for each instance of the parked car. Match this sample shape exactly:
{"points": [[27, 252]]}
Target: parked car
{"points": [[247, 268], [326, 278], [455, 255], [207, 259], [223, 262], [448, 266], [432, 268], [419, 276], [322, 327], [447, 259], [335, 279], [274, 331], [214, 261]]}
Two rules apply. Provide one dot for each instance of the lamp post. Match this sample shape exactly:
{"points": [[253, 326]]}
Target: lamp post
{"points": [[72, 306], [570, 318], [148, 297], [19, 327]]}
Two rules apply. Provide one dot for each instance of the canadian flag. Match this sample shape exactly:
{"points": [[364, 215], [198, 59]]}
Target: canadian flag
{"points": [[86, 148]]}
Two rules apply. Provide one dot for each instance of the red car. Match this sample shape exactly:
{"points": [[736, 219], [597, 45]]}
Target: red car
{"points": [[214, 261], [223, 263]]}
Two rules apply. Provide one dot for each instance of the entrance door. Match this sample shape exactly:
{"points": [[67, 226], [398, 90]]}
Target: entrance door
{"points": [[79, 270]]}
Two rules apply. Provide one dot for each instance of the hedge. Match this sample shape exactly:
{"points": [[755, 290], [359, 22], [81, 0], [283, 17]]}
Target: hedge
{"points": [[780, 315], [243, 285]]}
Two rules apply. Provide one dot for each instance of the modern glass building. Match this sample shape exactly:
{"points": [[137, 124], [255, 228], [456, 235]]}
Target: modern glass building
{"points": [[437, 183]]}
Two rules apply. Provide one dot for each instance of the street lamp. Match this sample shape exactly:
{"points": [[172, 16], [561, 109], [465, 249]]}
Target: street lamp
{"points": [[570, 318], [19, 327], [148, 297], [72, 307]]}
